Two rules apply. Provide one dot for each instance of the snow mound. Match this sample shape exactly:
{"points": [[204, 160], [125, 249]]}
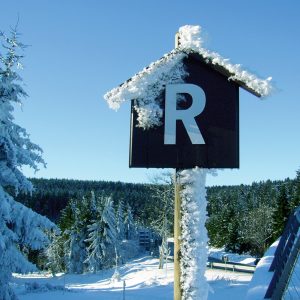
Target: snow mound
{"points": [[35, 287]]}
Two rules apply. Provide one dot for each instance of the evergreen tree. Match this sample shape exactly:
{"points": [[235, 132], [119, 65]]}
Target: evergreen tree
{"points": [[20, 227], [109, 233], [55, 254], [296, 193], [95, 253], [281, 213], [103, 239], [120, 222], [130, 227], [76, 254]]}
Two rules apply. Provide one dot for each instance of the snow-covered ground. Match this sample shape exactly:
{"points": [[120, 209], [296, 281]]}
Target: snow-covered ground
{"points": [[143, 279], [218, 253]]}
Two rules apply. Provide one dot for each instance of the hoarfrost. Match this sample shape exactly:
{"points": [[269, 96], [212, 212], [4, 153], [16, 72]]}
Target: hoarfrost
{"points": [[194, 251], [189, 37], [146, 86]]}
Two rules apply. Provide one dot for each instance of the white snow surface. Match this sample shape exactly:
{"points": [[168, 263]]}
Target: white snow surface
{"points": [[143, 281], [218, 253], [148, 84], [262, 277]]}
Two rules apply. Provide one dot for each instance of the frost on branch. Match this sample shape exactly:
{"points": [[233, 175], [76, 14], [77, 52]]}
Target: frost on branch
{"points": [[193, 234], [146, 86]]}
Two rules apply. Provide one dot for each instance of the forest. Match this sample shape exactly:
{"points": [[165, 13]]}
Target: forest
{"points": [[242, 218]]}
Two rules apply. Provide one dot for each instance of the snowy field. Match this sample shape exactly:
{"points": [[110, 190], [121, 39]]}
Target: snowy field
{"points": [[143, 279]]}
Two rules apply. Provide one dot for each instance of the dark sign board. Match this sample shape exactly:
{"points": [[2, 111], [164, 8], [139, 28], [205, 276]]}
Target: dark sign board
{"points": [[201, 131]]}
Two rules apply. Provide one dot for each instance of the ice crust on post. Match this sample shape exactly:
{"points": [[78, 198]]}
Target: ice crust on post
{"points": [[146, 86], [194, 251]]}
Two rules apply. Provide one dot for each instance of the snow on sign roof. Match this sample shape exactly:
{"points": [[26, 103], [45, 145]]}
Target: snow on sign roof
{"points": [[147, 85]]}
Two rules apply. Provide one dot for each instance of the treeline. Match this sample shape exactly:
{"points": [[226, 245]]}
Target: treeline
{"points": [[248, 218], [50, 196], [243, 218]]}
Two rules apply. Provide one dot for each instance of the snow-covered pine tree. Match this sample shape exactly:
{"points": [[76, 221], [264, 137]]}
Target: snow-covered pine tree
{"points": [[95, 254], [20, 227], [109, 233], [93, 205], [102, 239], [77, 254], [55, 253], [130, 226], [120, 233], [75, 244], [120, 222], [296, 193], [281, 212], [163, 190]]}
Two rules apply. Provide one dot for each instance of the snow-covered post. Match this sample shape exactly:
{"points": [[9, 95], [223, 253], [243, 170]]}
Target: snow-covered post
{"points": [[190, 235], [193, 234]]}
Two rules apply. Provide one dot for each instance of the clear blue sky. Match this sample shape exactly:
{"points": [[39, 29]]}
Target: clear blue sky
{"points": [[81, 49]]}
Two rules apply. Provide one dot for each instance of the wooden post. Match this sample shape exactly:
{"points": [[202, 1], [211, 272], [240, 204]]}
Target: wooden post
{"points": [[177, 223], [177, 233]]}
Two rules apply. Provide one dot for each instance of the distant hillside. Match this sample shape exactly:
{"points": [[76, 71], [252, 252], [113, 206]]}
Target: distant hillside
{"points": [[52, 195]]}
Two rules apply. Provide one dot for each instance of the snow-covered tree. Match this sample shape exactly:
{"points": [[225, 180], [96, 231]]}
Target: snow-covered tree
{"points": [[20, 227], [75, 244], [109, 232], [95, 253], [77, 254], [257, 229], [55, 254], [281, 212], [102, 238], [163, 190], [130, 226], [120, 222], [296, 194]]}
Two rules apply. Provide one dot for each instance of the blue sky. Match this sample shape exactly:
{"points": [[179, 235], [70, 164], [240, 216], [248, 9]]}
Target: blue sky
{"points": [[81, 49]]}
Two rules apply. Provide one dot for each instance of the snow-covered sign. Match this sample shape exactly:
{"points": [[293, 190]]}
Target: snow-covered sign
{"points": [[185, 107]]}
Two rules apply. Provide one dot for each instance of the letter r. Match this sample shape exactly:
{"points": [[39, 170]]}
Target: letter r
{"points": [[187, 116]]}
